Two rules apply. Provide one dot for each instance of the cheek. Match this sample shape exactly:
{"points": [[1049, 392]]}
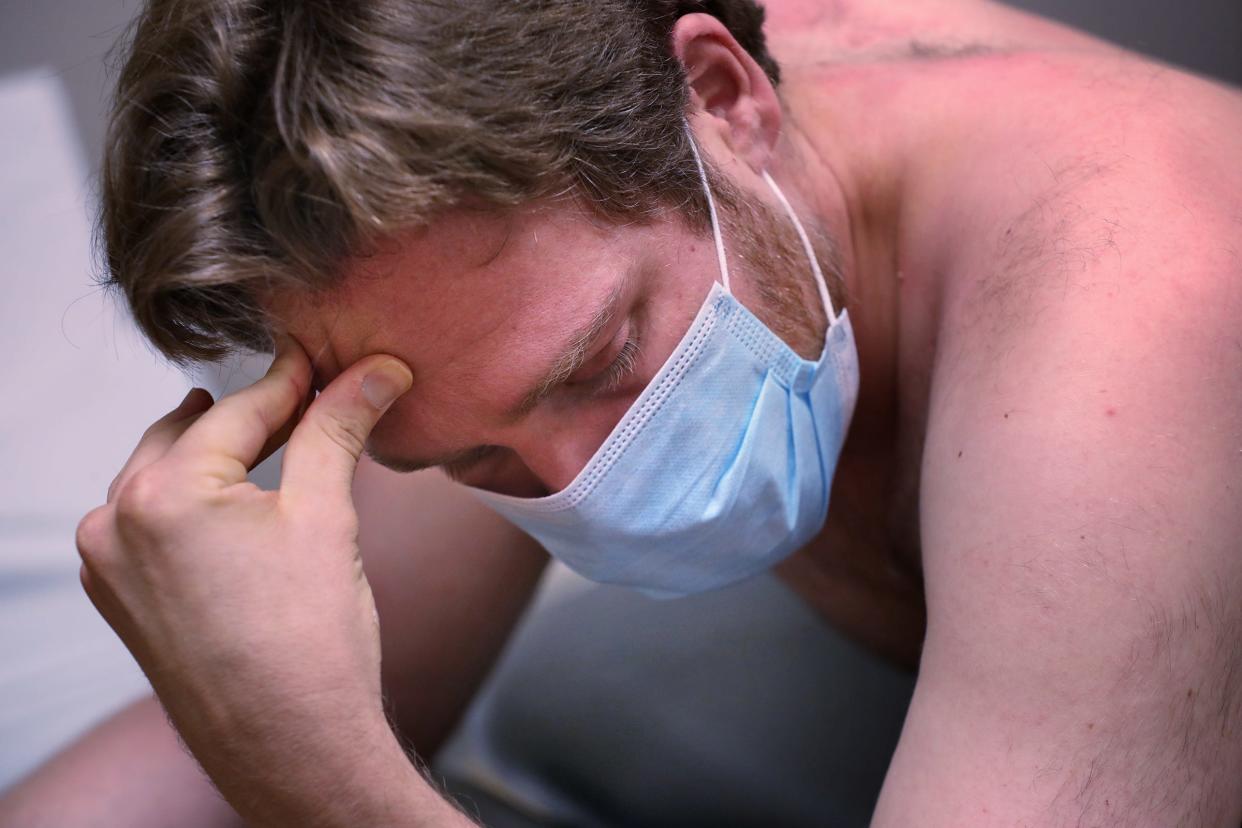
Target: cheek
{"points": [[395, 440]]}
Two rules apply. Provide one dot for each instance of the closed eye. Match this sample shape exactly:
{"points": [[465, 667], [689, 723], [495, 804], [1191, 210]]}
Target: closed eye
{"points": [[622, 358], [614, 376]]}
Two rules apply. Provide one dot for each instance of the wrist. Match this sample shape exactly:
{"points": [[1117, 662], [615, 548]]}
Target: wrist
{"points": [[333, 771]]}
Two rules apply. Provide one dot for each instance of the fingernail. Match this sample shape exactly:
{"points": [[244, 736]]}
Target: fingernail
{"points": [[385, 383]]}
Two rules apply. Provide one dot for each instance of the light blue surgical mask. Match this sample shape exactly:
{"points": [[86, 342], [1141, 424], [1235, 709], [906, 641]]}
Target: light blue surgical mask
{"points": [[722, 467]]}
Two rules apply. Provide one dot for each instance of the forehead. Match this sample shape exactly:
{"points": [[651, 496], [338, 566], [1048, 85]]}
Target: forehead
{"points": [[456, 298]]}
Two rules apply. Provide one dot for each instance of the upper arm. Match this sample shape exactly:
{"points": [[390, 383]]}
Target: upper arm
{"points": [[1082, 537], [450, 580]]}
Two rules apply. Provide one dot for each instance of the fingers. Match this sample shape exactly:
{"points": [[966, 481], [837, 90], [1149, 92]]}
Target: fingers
{"points": [[160, 437], [324, 449], [282, 436], [227, 441]]}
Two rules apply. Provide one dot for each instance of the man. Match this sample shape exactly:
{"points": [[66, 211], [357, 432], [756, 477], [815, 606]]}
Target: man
{"points": [[482, 234]]}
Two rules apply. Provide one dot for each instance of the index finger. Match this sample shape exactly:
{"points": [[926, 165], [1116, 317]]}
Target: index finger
{"points": [[228, 439], [324, 449], [162, 434]]}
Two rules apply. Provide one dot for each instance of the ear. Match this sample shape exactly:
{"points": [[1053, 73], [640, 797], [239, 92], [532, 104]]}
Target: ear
{"points": [[729, 93]]}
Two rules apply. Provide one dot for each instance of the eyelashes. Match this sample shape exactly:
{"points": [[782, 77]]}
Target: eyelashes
{"points": [[612, 377], [607, 381]]}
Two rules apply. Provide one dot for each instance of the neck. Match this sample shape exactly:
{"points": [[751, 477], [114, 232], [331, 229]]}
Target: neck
{"points": [[857, 184], [870, 145], [873, 128]]}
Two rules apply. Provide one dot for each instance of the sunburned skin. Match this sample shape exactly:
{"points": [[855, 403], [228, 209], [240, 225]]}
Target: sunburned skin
{"points": [[1037, 235], [1042, 151]]}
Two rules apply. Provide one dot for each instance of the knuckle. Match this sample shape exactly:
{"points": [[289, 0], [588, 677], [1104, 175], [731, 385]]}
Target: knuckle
{"points": [[292, 387], [278, 393], [345, 434], [146, 497], [292, 363], [268, 405], [93, 533]]}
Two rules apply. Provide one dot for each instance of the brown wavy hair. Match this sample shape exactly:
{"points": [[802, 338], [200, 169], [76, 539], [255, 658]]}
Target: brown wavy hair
{"points": [[257, 144]]}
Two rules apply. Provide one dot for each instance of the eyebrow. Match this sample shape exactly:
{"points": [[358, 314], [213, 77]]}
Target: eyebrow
{"points": [[574, 353], [562, 368]]}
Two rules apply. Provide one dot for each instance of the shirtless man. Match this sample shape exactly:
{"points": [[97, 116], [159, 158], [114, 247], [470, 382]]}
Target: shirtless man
{"points": [[1034, 236]]}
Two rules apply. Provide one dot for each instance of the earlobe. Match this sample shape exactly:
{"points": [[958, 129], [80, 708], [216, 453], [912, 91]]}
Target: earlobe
{"points": [[728, 86]]}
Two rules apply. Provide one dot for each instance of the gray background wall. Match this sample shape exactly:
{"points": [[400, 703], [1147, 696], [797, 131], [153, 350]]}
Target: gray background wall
{"points": [[71, 37], [1204, 35]]}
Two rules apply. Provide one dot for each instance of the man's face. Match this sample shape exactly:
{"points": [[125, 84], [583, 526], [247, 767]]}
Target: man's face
{"points": [[531, 334]]}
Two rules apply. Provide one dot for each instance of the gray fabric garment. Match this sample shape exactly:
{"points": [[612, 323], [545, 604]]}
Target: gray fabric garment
{"points": [[737, 707]]}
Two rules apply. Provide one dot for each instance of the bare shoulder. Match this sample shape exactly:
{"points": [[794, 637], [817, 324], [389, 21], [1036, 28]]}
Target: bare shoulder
{"points": [[1106, 190], [1082, 481]]}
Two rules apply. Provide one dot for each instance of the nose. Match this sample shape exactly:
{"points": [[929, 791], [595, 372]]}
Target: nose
{"points": [[509, 473], [545, 452], [554, 452], [555, 459]]}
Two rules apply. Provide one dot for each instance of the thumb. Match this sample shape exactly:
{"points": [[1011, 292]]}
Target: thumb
{"points": [[324, 448]]}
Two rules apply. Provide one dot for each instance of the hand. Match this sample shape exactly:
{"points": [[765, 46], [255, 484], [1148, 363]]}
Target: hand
{"points": [[249, 610]]}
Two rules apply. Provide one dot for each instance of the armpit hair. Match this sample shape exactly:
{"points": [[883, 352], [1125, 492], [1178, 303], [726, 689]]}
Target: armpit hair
{"points": [[1179, 749]]}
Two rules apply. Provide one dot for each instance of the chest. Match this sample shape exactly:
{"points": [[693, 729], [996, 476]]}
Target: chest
{"points": [[862, 573]]}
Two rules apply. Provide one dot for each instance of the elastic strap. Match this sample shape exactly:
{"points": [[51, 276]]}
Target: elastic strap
{"points": [[820, 281], [711, 208]]}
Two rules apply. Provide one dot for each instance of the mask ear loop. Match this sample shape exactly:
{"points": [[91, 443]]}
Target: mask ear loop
{"points": [[711, 209], [820, 281]]}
